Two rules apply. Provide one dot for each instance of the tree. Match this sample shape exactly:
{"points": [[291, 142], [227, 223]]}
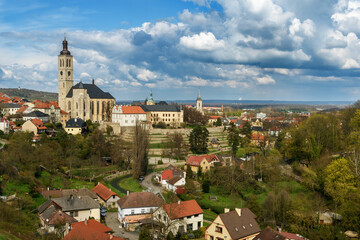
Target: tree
{"points": [[253, 204], [199, 173], [109, 130], [177, 144], [192, 116], [339, 181], [218, 122], [140, 150], [145, 234], [189, 172], [246, 130], [233, 138], [206, 186], [198, 140]]}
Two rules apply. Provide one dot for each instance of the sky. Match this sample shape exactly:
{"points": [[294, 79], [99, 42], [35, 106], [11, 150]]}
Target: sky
{"points": [[298, 50]]}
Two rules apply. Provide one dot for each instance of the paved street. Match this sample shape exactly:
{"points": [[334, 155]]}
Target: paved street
{"points": [[149, 185], [113, 223]]}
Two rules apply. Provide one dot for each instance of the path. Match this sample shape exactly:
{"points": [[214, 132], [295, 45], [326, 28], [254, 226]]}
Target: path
{"points": [[147, 183], [113, 223], [115, 184]]}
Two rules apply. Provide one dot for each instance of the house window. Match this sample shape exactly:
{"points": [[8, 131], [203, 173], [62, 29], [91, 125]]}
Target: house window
{"points": [[189, 227], [132, 211], [196, 215], [188, 217], [181, 229], [76, 213], [211, 237], [218, 229], [142, 210], [164, 218], [199, 224]]}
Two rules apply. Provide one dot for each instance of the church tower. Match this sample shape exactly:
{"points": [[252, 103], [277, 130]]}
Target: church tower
{"points": [[65, 72], [199, 103]]}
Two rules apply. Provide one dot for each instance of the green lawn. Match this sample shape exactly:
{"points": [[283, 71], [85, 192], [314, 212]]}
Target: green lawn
{"points": [[59, 181], [130, 184], [15, 187], [91, 171], [6, 236], [209, 215]]}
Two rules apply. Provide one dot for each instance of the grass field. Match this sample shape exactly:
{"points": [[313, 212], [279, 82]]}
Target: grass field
{"points": [[209, 215], [130, 184], [92, 171]]}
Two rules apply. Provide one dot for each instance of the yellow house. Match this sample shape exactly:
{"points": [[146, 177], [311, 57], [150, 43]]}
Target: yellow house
{"points": [[194, 162], [75, 126], [239, 224]]}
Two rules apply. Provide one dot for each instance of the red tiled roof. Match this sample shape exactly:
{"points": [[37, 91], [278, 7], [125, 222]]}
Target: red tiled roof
{"points": [[63, 112], [166, 174], [215, 117], [182, 209], [180, 191], [38, 123], [90, 231], [104, 192], [132, 110], [196, 160], [291, 236], [22, 109], [40, 104], [257, 137]]}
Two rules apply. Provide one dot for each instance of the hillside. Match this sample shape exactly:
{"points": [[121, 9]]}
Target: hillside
{"points": [[30, 94]]}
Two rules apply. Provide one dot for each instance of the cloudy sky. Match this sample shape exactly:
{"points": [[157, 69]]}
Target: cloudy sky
{"points": [[229, 49]]}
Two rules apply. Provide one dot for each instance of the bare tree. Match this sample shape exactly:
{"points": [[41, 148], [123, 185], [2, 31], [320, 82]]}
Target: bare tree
{"points": [[140, 150], [165, 224]]}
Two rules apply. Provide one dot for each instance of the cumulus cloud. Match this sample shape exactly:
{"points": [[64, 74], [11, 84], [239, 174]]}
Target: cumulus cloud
{"points": [[265, 80], [196, 81], [202, 41], [146, 75], [348, 17]]}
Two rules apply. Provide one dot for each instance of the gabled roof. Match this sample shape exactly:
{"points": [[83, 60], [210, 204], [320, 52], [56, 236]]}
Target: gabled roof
{"points": [[76, 203], [269, 234], [92, 90], [183, 209], [93, 224], [140, 199], [63, 112], [52, 216], [132, 110], [160, 108], [258, 137], [166, 174], [103, 192], [292, 236], [174, 180], [75, 123], [240, 226], [22, 109], [196, 160], [89, 231], [10, 105], [45, 105], [36, 113], [38, 123]]}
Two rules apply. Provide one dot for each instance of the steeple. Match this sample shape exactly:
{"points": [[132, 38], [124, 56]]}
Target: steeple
{"points": [[198, 97], [65, 50]]}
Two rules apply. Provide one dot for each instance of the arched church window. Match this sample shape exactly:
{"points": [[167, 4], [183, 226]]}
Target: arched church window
{"points": [[69, 63], [97, 107], [61, 73], [77, 106], [69, 73], [63, 85]]}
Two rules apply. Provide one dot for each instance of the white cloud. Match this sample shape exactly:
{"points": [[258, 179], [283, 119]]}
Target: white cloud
{"points": [[347, 18], [200, 2], [196, 81], [202, 41], [146, 75], [265, 80]]}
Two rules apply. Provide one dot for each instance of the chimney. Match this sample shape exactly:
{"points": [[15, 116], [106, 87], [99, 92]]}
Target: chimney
{"points": [[238, 210], [86, 221], [127, 193], [179, 202], [93, 81], [226, 210]]}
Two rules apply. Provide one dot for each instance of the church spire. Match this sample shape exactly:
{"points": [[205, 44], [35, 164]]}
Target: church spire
{"points": [[65, 50], [198, 97]]}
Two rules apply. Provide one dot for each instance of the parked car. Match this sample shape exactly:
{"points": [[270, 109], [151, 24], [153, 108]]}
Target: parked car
{"points": [[103, 211]]}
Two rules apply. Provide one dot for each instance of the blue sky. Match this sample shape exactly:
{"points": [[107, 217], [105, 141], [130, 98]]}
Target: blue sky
{"points": [[229, 49]]}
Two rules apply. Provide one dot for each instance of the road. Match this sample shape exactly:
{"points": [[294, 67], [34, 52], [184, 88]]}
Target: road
{"points": [[113, 223], [147, 183], [115, 184]]}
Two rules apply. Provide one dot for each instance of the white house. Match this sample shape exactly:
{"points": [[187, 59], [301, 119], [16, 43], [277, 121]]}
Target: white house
{"points": [[8, 109], [175, 182], [180, 217], [36, 115], [106, 197], [127, 116], [4, 126], [137, 204]]}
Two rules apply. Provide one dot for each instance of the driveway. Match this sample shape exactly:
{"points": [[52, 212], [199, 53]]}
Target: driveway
{"points": [[147, 183], [113, 223]]}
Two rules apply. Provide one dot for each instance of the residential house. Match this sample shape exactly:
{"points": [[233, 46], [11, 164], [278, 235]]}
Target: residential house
{"points": [[258, 139], [50, 108], [75, 126], [90, 229], [136, 207], [78, 207], [58, 193], [106, 197], [8, 109], [174, 183], [64, 117], [53, 219], [256, 126], [36, 115], [34, 125], [4, 126], [213, 119], [239, 224], [180, 217], [270, 234], [128, 116], [169, 173], [204, 161]]}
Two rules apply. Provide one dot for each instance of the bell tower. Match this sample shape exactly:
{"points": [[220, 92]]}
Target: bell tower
{"points": [[199, 103], [65, 73]]}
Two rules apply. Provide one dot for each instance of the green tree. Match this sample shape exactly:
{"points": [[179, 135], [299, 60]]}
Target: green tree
{"points": [[206, 186], [199, 173], [177, 144], [189, 172], [339, 181], [233, 138], [218, 122], [140, 151], [253, 204], [145, 234], [109, 130], [246, 130], [198, 140]]}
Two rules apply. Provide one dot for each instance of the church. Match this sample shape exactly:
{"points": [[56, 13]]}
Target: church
{"points": [[85, 101]]}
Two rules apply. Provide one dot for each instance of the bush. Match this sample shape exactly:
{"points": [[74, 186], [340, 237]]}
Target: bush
{"points": [[206, 186], [160, 161]]}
